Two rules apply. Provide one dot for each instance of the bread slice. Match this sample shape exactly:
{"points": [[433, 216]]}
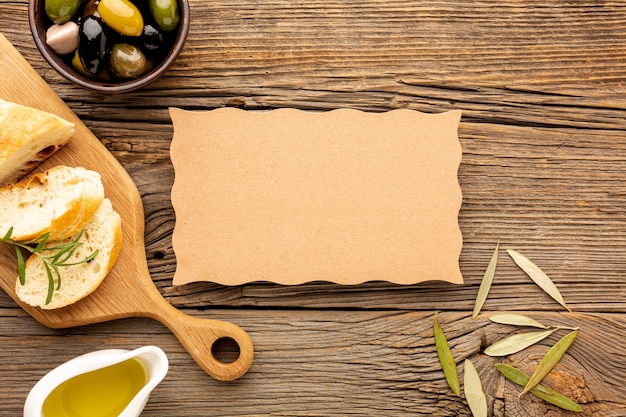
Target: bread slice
{"points": [[60, 201], [103, 233], [28, 136]]}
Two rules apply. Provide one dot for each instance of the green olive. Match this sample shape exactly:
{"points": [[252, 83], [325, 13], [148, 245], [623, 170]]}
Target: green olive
{"points": [[165, 13], [122, 16], [127, 61], [60, 11]]}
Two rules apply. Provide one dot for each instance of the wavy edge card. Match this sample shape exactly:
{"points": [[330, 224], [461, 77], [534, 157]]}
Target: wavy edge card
{"points": [[290, 196]]}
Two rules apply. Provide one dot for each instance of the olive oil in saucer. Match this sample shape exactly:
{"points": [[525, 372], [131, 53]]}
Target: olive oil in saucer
{"points": [[101, 393]]}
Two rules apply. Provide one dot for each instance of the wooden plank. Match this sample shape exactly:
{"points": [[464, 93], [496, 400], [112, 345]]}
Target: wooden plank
{"points": [[550, 195], [335, 363], [541, 87]]}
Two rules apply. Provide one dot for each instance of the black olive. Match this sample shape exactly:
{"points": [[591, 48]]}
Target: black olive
{"points": [[152, 41], [77, 18], [143, 6], [91, 8], [94, 46]]}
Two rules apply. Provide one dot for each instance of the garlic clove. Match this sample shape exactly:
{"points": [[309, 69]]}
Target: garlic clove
{"points": [[63, 38]]}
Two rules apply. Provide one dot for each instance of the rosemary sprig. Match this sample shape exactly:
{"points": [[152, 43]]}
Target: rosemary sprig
{"points": [[53, 257]]}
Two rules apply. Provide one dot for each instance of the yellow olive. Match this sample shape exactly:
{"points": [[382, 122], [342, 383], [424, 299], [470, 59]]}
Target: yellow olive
{"points": [[122, 16], [103, 74], [78, 65]]}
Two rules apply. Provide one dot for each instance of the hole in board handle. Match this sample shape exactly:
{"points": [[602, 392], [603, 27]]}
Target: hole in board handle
{"points": [[225, 350]]}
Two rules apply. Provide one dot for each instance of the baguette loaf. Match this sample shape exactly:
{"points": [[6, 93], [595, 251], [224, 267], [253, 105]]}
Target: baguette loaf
{"points": [[103, 233], [60, 201], [28, 136]]}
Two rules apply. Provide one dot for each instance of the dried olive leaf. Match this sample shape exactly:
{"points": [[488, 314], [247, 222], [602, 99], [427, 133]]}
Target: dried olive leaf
{"points": [[445, 358], [537, 275], [516, 319], [520, 378], [517, 342], [552, 357], [485, 284], [474, 390]]}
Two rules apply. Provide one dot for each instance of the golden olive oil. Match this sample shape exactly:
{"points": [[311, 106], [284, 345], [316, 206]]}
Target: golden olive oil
{"points": [[101, 393]]}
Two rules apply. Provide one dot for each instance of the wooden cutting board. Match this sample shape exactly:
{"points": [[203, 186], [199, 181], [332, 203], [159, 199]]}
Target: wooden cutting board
{"points": [[128, 290]]}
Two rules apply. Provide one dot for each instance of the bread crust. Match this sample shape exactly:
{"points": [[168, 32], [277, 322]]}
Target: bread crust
{"points": [[59, 201], [28, 136], [104, 233]]}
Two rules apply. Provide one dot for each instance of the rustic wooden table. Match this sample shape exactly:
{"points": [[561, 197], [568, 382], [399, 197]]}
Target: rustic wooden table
{"points": [[542, 88]]}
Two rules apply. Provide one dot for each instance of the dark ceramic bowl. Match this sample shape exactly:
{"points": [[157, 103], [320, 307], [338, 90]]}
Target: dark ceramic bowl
{"points": [[39, 23]]}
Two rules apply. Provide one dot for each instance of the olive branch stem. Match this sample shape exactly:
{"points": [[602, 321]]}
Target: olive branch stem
{"points": [[53, 257]]}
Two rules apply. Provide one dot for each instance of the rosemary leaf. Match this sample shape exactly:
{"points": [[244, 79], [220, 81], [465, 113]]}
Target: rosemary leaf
{"points": [[65, 252], [50, 283], [8, 234], [21, 265], [517, 342], [41, 242], [520, 378], [445, 359], [537, 275], [474, 390], [485, 284], [516, 319], [552, 357], [60, 256], [58, 275]]}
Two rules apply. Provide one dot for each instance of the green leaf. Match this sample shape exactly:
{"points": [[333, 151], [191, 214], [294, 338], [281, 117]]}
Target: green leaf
{"points": [[517, 342], [520, 378], [516, 319], [549, 361], [50, 283], [8, 234], [21, 265], [60, 255], [41, 242], [64, 255], [485, 284], [57, 273], [64, 252], [474, 390], [537, 275], [82, 261], [445, 359]]}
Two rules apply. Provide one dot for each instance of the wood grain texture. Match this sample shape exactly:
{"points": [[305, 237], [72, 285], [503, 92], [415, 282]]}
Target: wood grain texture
{"points": [[542, 89]]}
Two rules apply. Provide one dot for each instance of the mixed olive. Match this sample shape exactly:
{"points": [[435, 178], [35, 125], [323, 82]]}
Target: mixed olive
{"points": [[112, 40]]}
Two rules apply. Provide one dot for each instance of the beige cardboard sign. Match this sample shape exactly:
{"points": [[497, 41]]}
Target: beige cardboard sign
{"points": [[290, 196]]}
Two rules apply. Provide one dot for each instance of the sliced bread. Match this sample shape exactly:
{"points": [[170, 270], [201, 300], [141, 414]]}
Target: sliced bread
{"points": [[103, 233], [28, 136], [60, 201]]}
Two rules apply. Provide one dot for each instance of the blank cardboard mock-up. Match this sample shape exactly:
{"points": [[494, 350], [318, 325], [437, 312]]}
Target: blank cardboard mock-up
{"points": [[290, 196]]}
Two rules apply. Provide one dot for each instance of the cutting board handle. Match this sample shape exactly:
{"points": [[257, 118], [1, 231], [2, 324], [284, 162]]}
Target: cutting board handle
{"points": [[199, 336]]}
